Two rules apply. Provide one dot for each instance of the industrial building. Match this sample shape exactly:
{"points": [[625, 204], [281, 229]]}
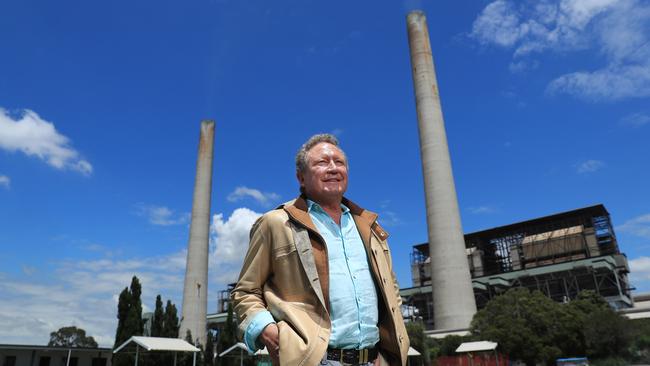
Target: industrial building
{"points": [[559, 255]]}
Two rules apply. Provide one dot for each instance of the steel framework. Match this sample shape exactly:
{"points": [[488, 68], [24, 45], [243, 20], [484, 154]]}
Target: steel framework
{"points": [[559, 255]]}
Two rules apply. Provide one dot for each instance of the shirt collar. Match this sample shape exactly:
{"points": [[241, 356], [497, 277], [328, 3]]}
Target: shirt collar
{"points": [[311, 205]]}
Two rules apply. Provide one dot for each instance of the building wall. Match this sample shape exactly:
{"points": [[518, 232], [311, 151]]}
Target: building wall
{"points": [[39, 356]]}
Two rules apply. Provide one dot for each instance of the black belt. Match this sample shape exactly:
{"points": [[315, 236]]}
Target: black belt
{"points": [[352, 356]]}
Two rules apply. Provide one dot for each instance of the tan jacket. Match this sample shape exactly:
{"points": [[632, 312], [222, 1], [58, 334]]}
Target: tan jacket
{"points": [[286, 271]]}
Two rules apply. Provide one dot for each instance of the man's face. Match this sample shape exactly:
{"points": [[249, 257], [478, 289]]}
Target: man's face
{"points": [[326, 176]]}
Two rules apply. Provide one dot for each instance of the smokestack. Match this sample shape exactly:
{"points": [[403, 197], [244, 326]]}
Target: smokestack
{"points": [[453, 297], [195, 291]]}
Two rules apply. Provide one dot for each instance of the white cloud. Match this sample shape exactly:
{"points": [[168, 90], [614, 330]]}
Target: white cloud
{"points": [[83, 293], [34, 136], [498, 23], [617, 29], [389, 218], [589, 166], [610, 83], [5, 181], [638, 226], [640, 273], [28, 270], [229, 242], [521, 66], [161, 215], [641, 264], [478, 210], [635, 120], [98, 248], [531, 27], [263, 198]]}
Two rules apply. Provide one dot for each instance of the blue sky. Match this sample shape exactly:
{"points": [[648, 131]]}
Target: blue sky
{"points": [[546, 106]]}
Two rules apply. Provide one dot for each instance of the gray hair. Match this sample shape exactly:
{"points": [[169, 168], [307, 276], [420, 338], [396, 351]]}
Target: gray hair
{"points": [[301, 157]]}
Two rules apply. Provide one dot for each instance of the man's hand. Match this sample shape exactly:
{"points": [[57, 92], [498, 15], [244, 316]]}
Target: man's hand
{"points": [[271, 338]]}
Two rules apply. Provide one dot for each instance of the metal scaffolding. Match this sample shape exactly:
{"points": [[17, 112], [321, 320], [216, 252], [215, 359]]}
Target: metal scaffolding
{"points": [[559, 255]]}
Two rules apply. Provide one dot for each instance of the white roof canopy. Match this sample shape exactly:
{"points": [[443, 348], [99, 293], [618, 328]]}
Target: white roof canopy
{"points": [[242, 346], [476, 346], [238, 345], [159, 344], [413, 352]]}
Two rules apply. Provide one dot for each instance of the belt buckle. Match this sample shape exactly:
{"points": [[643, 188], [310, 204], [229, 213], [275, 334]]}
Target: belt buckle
{"points": [[342, 359], [360, 357]]}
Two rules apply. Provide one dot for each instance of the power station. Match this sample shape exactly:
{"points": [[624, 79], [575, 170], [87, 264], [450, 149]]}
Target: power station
{"points": [[559, 255], [453, 272]]}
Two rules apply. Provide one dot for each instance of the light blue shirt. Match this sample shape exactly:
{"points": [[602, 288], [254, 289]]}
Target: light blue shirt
{"points": [[352, 293]]}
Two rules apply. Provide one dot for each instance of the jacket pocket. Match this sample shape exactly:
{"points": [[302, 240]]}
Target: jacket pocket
{"points": [[292, 346]]}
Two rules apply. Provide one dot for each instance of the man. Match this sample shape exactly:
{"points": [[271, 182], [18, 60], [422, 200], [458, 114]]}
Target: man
{"points": [[317, 285]]}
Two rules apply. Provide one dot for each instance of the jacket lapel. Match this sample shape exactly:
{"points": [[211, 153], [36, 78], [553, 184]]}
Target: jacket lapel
{"points": [[303, 246], [301, 225], [297, 210]]}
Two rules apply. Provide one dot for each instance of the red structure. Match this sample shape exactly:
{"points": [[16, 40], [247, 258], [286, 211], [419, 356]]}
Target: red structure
{"points": [[473, 359]]}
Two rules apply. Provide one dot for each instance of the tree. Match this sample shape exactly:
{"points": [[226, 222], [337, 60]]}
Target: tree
{"points": [[226, 337], [450, 343], [170, 321], [602, 333], [71, 337], [129, 319], [169, 330], [607, 334], [419, 340], [208, 354], [527, 325], [158, 319], [581, 309], [129, 313], [122, 312], [640, 348], [134, 323]]}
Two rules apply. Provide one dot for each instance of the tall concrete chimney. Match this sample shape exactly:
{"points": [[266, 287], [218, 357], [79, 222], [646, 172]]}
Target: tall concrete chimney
{"points": [[195, 291], [453, 297]]}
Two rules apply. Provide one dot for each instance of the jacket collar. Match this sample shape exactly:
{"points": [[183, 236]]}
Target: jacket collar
{"points": [[298, 210]]}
